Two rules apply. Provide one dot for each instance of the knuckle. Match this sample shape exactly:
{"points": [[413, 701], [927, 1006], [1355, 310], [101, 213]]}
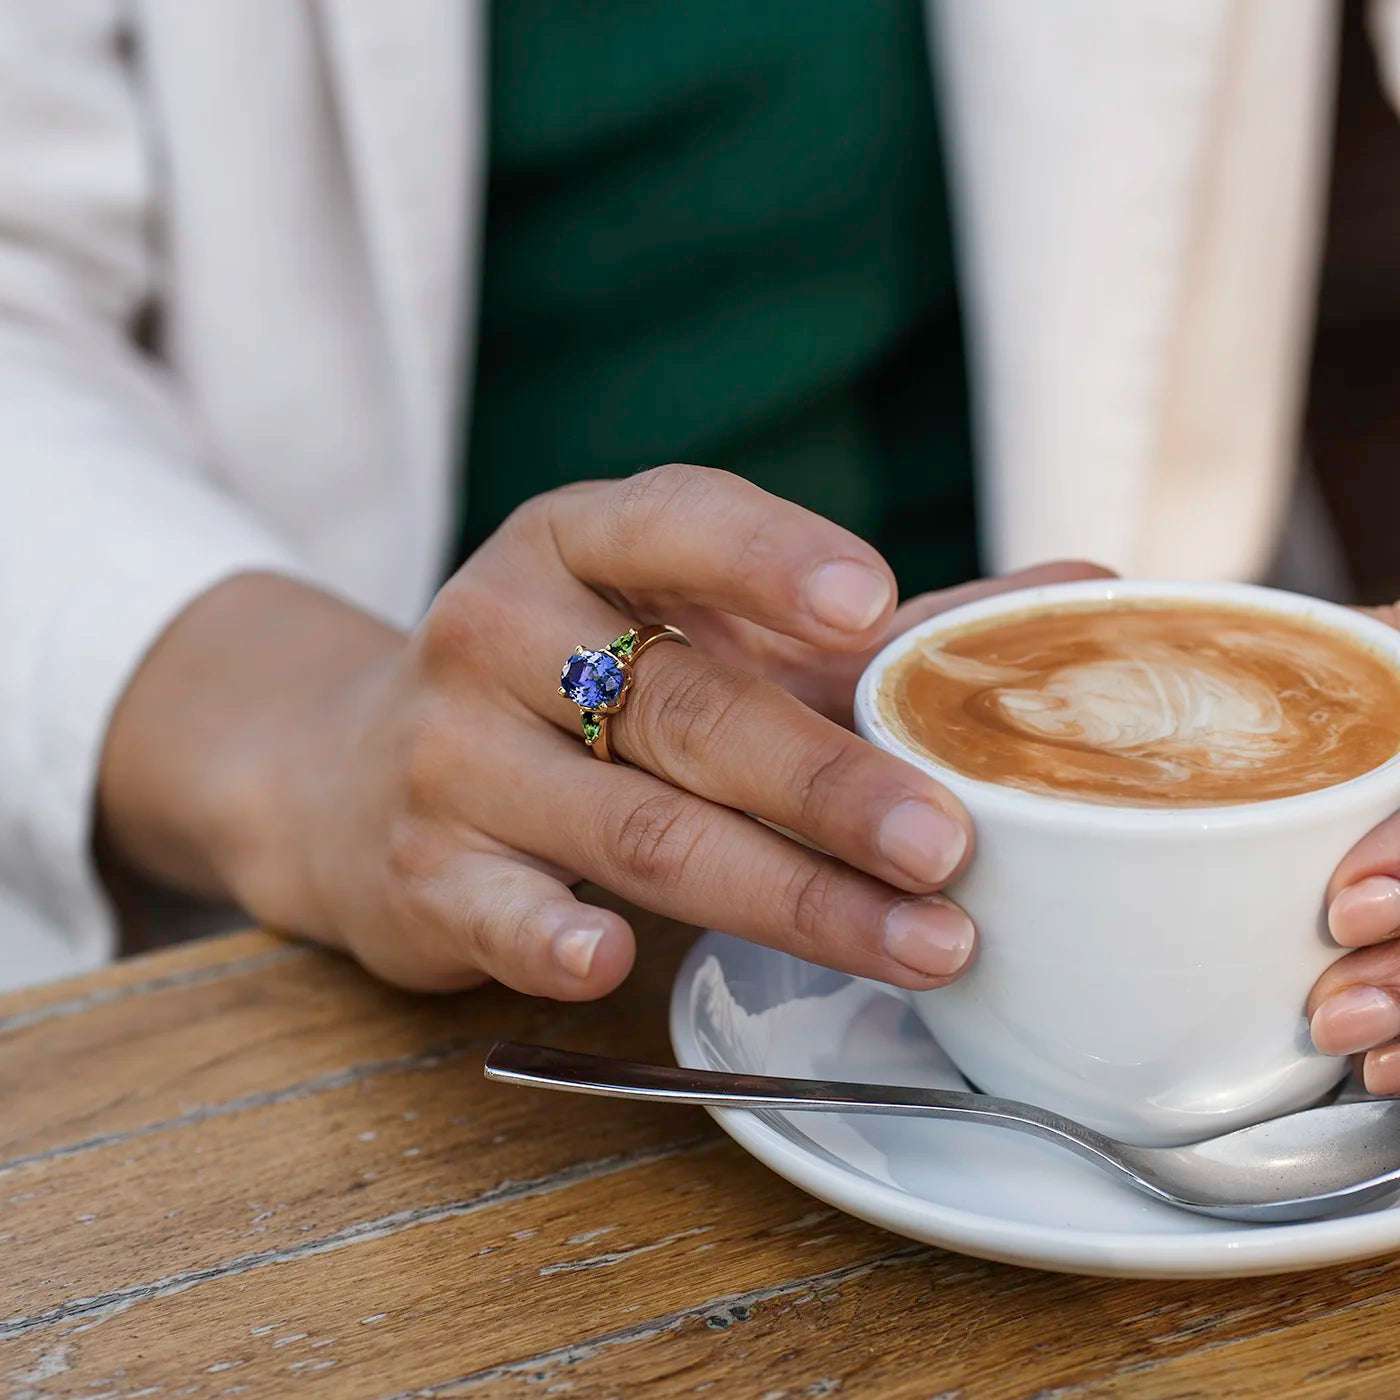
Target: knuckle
{"points": [[641, 502], [450, 936], [753, 550], [539, 524], [686, 710], [453, 632], [822, 784], [529, 518], [414, 860], [656, 841], [412, 852], [813, 898], [485, 922], [425, 763]]}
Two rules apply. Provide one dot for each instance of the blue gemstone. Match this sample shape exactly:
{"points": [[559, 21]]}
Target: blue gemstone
{"points": [[592, 679]]}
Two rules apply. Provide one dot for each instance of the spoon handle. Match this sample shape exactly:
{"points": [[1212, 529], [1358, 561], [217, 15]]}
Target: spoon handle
{"points": [[543, 1068], [540, 1067]]}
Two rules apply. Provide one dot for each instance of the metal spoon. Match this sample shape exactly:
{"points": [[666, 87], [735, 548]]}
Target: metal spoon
{"points": [[1296, 1167]]}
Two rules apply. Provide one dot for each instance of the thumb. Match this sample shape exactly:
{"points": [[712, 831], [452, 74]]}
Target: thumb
{"points": [[928, 605]]}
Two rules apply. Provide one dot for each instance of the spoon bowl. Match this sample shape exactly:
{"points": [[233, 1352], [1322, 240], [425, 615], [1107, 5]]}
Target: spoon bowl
{"points": [[1297, 1167]]}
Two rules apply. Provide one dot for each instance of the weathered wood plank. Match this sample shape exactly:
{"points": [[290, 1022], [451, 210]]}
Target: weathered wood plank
{"points": [[204, 958], [456, 1293], [911, 1323], [701, 1266], [177, 1050], [1346, 1352], [407, 1140], [128, 1064]]}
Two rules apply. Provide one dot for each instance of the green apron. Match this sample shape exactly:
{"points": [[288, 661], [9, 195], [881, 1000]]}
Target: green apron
{"points": [[719, 233]]}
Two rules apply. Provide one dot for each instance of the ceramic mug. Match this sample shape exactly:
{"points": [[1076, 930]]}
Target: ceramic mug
{"points": [[1144, 970]]}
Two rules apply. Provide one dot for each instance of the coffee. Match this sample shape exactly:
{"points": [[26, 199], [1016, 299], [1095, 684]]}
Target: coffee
{"points": [[1148, 703]]}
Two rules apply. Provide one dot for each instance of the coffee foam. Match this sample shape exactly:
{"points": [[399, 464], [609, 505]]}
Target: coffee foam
{"points": [[1150, 704]]}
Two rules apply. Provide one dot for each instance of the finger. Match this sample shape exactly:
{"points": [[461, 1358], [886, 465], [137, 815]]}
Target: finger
{"points": [[928, 605], [1364, 893], [671, 852], [1388, 613], [713, 538], [1366, 912], [826, 683], [1355, 1004], [746, 743], [498, 916], [530, 932], [1380, 1070]]}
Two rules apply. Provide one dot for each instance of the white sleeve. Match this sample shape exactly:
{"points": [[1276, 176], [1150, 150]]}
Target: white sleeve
{"points": [[111, 516]]}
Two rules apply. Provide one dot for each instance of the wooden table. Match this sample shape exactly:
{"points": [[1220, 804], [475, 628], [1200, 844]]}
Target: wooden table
{"points": [[241, 1167]]}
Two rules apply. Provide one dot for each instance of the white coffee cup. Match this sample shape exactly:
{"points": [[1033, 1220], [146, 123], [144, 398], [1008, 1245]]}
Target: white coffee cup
{"points": [[1144, 970]]}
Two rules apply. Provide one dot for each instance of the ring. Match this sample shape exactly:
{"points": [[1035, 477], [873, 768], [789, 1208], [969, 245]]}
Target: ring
{"points": [[598, 681]]}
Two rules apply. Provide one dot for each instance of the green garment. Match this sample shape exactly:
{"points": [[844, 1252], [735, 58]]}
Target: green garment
{"points": [[717, 232]]}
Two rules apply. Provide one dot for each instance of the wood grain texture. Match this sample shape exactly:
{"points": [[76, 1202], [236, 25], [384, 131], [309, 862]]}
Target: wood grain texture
{"points": [[244, 1168]]}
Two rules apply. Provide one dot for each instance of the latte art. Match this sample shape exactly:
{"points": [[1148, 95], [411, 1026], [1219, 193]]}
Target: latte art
{"points": [[1157, 701], [1146, 705]]}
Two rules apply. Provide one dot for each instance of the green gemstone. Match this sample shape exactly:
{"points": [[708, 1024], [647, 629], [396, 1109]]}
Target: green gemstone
{"points": [[592, 727], [622, 646]]}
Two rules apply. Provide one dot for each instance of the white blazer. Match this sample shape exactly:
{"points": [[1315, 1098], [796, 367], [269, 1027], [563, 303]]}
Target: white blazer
{"points": [[237, 245]]}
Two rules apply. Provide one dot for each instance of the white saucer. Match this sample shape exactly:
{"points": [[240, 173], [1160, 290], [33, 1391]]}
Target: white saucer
{"points": [[978, 1190]]}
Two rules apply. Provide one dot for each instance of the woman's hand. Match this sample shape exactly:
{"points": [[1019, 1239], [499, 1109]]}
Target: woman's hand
{"points": [[425, 801], [1355, 1006]]}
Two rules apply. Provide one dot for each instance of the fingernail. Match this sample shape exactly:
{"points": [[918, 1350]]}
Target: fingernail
{"points": [[929, 936], [1355, 1019], [574, 949], [1381, 1071], [847, 595], [922, 840], [1366, 911]]}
